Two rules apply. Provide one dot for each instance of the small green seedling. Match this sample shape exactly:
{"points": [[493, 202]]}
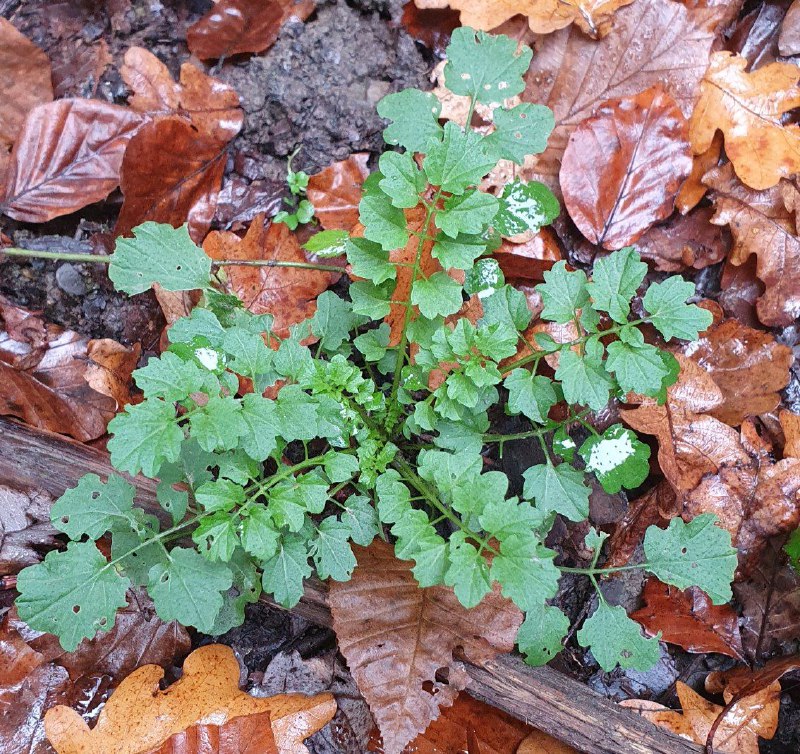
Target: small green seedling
{"points": [[302, 210]]}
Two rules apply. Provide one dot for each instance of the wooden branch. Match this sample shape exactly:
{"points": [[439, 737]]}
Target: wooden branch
{"points": [[551, 701]]}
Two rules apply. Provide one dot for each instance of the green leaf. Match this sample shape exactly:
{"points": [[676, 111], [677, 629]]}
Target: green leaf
{"points": [[373, 343], [431, 561], [284, 572], [525, 570], [188, 588], [144, 436], [293, 360], [460, 252], [541, 633], [488, 67], [261, 426], [637, 369], [558, 488], [416, 119], [331, 550], [437, 295], [158, 253], [219, 495], [519, 131], [297, 414], [507, 518], [201, 323], [216, 537], [617, 458], [333, 321], [792, 549], [246, 589], [289, 501], [563, 293], [340, 467], [170, 377], [616, 639], [669, 312], [466, 213], [72, 593], [370, 261], [259, 536], [615, 280], [94, 507], [370, 300], [135, 549], [695, 554], [328, 243], [251, 356], [394, 499], [458, 161], [529, 394], [383, 223], [525, 207], [484, 278], [361, 519], [506, 307], [402, 180], [468, 573], [583, 379], [219, 424]]}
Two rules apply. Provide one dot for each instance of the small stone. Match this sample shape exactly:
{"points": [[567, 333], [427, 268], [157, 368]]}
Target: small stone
{"points": [[70, 280]]}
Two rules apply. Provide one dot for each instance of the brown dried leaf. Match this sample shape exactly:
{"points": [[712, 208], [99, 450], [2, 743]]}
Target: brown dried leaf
{"points": [[762, 224], [395, 636], [789, 39], [623, 166], [249, 734], [747, 365], [171, 174], [78, 67], [59, 380], [139, 716], [747, 108], [240, 201], [25, 528], [693, 189], [24, 81], [689, 619], [234, 26], [211, 106], [652, 42], [68, 155], [432, 27], [288, 294], [336, 191]]}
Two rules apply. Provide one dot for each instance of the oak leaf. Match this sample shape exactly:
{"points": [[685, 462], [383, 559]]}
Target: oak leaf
{"points": [[336, 191], [139, 716], [289, 294], [24, 81], [747, 108], [395, 636], [250, 734], [211, 106], [235, 26], [623, 166], [67, 155], [171, 174], [25, 528], [693, 189]]}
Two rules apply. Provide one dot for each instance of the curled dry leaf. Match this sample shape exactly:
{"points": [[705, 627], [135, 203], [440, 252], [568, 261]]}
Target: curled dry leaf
{"points": [[211, 106], [623, 166], [789, 39], [139, 716], [68, 155], [25, 528], [234, 26], [573, 75], [689, 619], [336, 191], [763, 224], [24, 81], [289, 294], [250, 734], [59, 380], [748, 109], [171, 174], [394, 652]]}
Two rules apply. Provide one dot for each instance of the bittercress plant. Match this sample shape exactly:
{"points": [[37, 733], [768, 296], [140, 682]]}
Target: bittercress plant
{"points": [[381, 432]]}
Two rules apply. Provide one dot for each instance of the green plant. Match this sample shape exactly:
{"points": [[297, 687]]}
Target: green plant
{"points": [[302, 210], [360, 438]]}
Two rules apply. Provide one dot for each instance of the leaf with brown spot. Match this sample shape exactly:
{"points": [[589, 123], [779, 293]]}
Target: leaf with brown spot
{"points": [[58, 380], [336, 191], [652, 42], [24, 81], [395, 636], [249, 734], [748, 109], [234, 26], [763, 225], [67, 156], [171, 174], [139, 716], [211, 106], [689, 619], [289, 294], [623, 166], [25, 529]]}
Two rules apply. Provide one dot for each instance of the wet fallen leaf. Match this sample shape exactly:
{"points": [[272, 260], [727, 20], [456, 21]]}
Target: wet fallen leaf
{"points": [[762, 224], [59, 380], [234, 26], [432, 26], [623, 166], [789, 39], [741, 288], [689, 619], [68, 155], [25, 528], [747, 108], [336, 191], [755, 34], [288, 293], [573, 75], [407, 643], [790, 424], [24, 81], [171, 174], [77, 71], [139, 716], [540, 743], [211, 106], [693, 189], [251, 734], [240, 201]]}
